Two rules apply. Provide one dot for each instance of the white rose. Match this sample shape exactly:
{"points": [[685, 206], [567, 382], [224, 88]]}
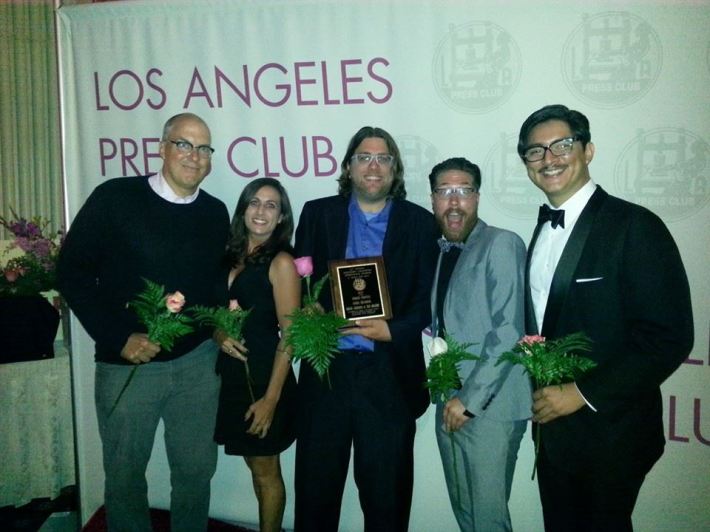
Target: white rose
{"points": [[438, 346]]}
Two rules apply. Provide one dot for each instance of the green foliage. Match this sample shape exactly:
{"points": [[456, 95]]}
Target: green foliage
{"points": [[308, 299], [163, 326], [230, 321], [553, 361], [314, 336], [442, 373]]}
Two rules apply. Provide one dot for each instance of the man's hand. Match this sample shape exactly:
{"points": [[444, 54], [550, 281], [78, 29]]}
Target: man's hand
{"points": [[139, 349], [555, 401], [374, 329], [454, 416]]}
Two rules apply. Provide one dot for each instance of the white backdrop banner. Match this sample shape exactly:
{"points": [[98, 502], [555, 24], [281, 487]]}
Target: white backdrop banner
{"points": [[285, 84]]}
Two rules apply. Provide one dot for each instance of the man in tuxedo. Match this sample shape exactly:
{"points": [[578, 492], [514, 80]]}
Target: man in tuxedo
{"points": [[477, 297], [376, 389], [611, 269]]}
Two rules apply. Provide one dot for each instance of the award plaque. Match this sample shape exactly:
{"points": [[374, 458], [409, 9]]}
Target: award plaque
{"points": [[359, 288]]}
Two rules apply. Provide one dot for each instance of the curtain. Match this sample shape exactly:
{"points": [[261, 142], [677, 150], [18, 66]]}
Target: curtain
{"points": [[30, 160]]}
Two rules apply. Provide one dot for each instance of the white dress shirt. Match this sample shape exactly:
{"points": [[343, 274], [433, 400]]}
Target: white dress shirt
{"points": [[161, 187], [547, 252], [548, 249]]}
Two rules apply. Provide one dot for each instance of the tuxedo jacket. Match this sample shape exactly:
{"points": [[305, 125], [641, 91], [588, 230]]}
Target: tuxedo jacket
{"points": [[409, 251], [620, 280], [484, 306]]}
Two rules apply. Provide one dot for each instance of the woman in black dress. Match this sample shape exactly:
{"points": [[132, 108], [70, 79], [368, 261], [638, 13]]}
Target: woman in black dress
{"points": [[262, 278]]}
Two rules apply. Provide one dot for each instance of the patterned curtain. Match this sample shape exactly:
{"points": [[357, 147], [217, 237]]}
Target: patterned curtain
{"points": [[30, 160]]}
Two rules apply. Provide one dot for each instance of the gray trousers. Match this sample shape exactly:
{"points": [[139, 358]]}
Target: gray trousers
{"points": [[183, 393], [479, 483]]}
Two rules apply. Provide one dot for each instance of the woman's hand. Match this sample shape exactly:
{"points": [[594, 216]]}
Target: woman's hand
{"points": [[229, 345], [262, 414]]}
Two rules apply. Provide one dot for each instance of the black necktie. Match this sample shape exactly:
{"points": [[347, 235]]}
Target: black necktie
{"points": [[556, 216], [446, 245]]}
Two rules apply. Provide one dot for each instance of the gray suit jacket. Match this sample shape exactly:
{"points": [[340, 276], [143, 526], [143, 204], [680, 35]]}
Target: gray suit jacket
{"points": [[484, 305]]}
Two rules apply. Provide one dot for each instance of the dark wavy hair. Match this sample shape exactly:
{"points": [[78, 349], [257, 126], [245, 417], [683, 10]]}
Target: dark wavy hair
{"points": [[345, 184], [577, 122], [280, 239], [456, 163]]}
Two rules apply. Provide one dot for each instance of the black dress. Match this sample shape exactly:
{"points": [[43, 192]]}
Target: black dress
{"points": [[253, 290]]}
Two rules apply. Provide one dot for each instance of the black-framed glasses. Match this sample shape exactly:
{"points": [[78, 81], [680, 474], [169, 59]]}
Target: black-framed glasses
{"points": [[448, 192], [383, 159], [186, 148], [557, 148]]}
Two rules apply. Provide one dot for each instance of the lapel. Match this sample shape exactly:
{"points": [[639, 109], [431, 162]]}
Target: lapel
{"points": [[564, 273], [434, 284], [337, 226], [530, 322], [393, 231], [466, 254]]}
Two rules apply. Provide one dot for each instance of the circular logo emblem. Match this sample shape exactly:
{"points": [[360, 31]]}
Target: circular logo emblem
{"points": [[476, 67], [359, 284], [419, 157], [505, 180], [612, 59], [666, 170]]}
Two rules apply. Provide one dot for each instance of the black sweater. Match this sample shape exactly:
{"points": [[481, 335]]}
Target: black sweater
{"points": [[125, 232]]}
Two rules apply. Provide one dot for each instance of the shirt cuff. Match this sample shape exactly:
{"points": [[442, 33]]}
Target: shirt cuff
{"points": [[585, 399]]}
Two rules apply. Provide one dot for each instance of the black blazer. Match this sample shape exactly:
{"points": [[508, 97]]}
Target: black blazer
{"points": [[621, 280], [409, 252]]}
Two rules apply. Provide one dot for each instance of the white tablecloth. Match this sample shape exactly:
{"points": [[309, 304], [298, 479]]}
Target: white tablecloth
{"points": [[36, 429]]}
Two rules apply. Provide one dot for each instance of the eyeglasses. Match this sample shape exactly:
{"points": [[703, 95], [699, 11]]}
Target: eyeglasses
{"points": [[557, 148], [186, 148], [382, 159], [447, 192]]}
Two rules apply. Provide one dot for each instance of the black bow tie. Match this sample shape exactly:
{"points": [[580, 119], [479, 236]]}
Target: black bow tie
{"points": [[446, 245], [556, 216]]}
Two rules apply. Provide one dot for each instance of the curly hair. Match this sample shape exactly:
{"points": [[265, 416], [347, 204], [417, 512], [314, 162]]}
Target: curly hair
{"points": [[345, 184]]}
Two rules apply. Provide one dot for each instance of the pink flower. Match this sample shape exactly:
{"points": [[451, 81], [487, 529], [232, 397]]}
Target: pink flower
{"points": [[174, 302], [304, 266], [12, 274], [233, 305], [532, 339]]}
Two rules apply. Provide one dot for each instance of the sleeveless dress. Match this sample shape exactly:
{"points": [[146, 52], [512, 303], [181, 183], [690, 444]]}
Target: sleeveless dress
{"points": [[253, 290]]}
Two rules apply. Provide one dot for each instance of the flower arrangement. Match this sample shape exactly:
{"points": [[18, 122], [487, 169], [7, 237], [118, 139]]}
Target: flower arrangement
{"points": [[160, 313], [550, 362], [231, 320], [443, 378], [34, 271], [314, 333]]}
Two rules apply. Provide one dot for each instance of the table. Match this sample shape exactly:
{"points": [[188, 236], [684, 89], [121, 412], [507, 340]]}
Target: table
{"points": [[36, 429]]}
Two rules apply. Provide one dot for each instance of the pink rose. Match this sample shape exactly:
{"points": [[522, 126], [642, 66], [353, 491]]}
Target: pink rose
{"points": [[304, 266], [532, 339], [12, 274], [174, 302], [233, 305]]}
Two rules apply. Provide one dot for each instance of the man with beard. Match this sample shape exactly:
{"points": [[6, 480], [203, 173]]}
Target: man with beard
{"points": [[376, 387], [477, 298]]}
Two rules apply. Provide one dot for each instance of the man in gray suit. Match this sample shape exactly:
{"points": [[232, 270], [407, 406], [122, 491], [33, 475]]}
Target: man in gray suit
{"points": [[477, 297]]}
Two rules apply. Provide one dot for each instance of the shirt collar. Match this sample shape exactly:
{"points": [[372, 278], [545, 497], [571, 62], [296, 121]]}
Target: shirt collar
{"points": [[574, 206], [161, 187]]}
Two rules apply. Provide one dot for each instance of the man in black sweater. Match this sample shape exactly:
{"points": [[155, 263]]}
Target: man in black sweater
{"points": [[165, 229]]}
